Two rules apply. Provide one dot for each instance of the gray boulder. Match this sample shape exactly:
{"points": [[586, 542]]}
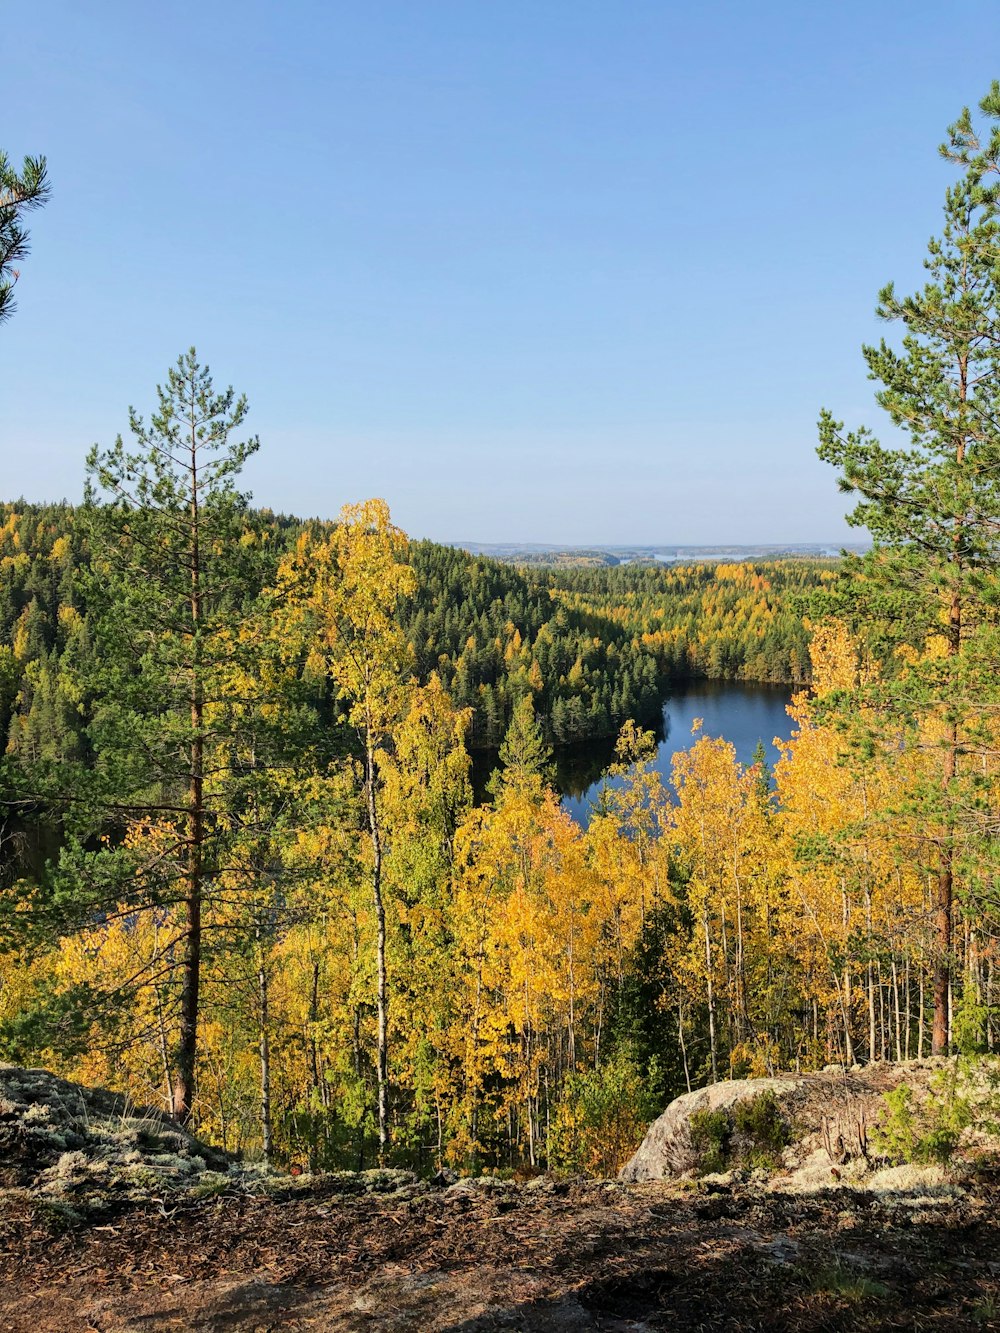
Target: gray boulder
{"points": [[668, 1150]]}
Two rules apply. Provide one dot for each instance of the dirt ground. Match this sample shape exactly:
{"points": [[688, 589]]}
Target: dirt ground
{"points": [[543, 1256]]}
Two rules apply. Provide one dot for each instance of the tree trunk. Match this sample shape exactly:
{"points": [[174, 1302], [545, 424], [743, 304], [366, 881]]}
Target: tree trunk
{"points": [[571, 1054], [161, 1026], [897, 1010], [680, 1038], [382, 994], [846, 1004], [191, 980], [711, 1000], [942, 936], [945, 888], [314, 1068], [264, 1046], [945, 882]]}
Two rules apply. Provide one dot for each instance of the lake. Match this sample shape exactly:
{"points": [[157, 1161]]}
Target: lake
{"points": [[742, 713]]}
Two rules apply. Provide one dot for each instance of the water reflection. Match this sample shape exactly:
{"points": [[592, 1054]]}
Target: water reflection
{"points": [[742, 713]]}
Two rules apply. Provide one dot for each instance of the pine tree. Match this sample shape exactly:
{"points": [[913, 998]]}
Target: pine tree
{"points": [[932, 505], [168, 575], [20, 192]]}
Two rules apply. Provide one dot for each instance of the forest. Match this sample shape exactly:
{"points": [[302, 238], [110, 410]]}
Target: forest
{"points": [[593, 649], [245, 877]]}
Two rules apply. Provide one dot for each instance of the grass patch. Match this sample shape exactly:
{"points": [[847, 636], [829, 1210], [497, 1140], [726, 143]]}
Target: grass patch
{"points": [[847, 1284], [986, 1312]]}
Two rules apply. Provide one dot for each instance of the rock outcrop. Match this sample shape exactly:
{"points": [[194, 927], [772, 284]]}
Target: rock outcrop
{"points": [[669, 1148], [827, 1117], [62, 1140]]}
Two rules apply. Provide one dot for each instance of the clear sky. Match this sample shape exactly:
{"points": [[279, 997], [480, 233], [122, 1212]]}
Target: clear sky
{"points": [[550, 270]]}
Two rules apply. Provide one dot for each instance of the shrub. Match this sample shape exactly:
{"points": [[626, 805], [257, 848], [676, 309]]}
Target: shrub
{"points": [[752, 1134], [711, 1134], [759, 1123], [602, 1116], [926, 1132]]}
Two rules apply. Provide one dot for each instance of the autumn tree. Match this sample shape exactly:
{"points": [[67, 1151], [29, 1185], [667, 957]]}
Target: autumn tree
{"points": [[426, 797], [932, 506], [645, 880], [20, 193], [527, 988], [344, 590]]}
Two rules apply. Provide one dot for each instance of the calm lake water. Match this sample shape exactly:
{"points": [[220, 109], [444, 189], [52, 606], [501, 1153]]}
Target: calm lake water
{"points": [[741, 713]]}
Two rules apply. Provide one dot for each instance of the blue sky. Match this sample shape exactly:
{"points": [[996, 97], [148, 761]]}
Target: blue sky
{"points": [[552, 271]]}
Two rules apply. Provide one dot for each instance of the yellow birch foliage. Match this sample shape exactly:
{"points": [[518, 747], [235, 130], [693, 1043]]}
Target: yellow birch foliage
{"points": [[858, 893]]}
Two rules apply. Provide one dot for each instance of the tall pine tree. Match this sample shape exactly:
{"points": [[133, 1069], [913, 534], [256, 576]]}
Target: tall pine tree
{"points": [[169, 574], [932, 506], [20, 192]]}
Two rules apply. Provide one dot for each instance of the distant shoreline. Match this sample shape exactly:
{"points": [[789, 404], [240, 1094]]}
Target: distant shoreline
{"points": [[544, 553]]}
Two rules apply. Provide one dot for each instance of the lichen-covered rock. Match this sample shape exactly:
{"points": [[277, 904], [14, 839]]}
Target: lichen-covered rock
{"points": [[62, 1140]]}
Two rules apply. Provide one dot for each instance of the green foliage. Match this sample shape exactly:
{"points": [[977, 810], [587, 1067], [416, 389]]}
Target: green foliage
{"points": [[711, 1138], [210, 1185], [495, 634], [970, 1021], [895, 1137], [986, 1311], [848, 1284], [931, 502], [760, 1130], [588, 657], [639, 1019], [333, 1128], [927, 1131], [726, 622], [602, 1116], [56, 1021], [169, 586], [751, 1134], [20, 192], [524, 754]]}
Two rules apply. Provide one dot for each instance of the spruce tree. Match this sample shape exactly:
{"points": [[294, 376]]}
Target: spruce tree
{"points": [[932, 506], [524, 754]]}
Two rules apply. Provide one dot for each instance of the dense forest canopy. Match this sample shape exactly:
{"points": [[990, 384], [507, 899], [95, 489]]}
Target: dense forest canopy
{"points": [[593, 648], [738, 621]]}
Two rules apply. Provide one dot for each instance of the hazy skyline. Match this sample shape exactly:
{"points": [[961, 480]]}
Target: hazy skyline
{"points": [[564, 273]]}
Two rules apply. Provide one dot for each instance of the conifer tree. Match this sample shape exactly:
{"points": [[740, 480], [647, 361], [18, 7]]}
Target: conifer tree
{"points": [[932, 505], [168, 574], [20, 192], [524, 755]]}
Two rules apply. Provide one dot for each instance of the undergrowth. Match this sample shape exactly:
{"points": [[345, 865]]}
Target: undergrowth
{"points": [[751, 1134], [928, 1129]]}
